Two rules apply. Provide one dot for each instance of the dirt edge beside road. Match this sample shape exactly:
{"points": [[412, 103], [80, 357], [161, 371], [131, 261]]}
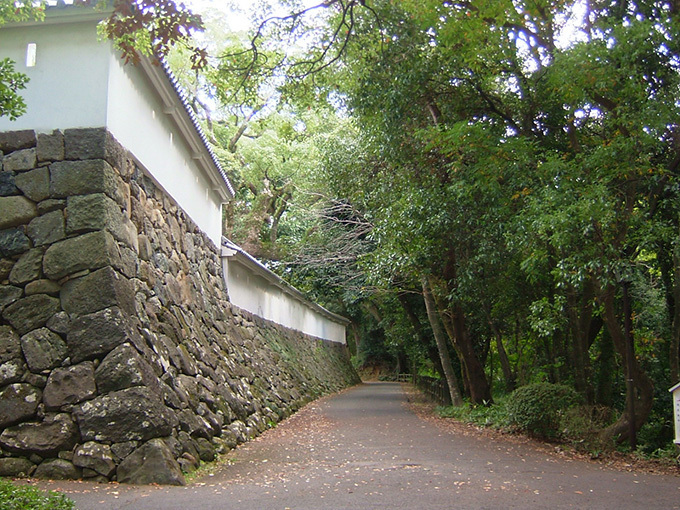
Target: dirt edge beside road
{"points": [[426, 410]]}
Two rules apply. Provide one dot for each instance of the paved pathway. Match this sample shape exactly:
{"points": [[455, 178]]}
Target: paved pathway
{"points": [[364, 449]]}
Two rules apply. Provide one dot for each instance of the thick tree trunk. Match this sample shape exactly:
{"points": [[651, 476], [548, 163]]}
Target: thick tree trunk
{"points": [[480, 391], [581, 319], [477, 384], [642, 387], [440, 338]]}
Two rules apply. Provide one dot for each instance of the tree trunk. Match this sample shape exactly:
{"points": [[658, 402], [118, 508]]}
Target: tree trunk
{"points": [[508, 374], [604, 394], [477, 384], [581, 318], [642, 387], [440, 338], [425, 340]]}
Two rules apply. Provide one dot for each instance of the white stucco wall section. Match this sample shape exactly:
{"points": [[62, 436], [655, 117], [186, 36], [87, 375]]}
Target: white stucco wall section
{"points": [[79, 81], [143, 123], [69, 84], [255, 288]]}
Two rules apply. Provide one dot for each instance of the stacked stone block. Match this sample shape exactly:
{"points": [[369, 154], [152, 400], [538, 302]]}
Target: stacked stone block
{"points": [[121, 357]]}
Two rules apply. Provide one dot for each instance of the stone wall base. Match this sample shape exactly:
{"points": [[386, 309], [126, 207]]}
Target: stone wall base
{"points": [[121, 357]]}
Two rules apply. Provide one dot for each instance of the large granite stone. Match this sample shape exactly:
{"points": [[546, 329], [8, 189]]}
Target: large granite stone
{"points": [[134, 414], [8, 295], [95, 456], [13, 242], [31, 312], [43, 349], [16, 211], [7, 184], [35, 184], [95, 335], [47, 229], [89, 251], [125, 368], [70, 385], [102, 289], [153, 462], [27, 268], [57, 469], [68, 178], [10, 347], [85, 143], [12, 371], [57, 433], [87, 213], [50, 147], [20, 161], [16, 467], [94, 143], [11, 141], [18, 402]]}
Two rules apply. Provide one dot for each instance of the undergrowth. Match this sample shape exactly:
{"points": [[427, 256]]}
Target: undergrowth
{"points": [[15, 497], [579, 428]]}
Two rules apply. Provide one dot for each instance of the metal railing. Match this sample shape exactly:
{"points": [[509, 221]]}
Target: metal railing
{"points": [[436, 389]]}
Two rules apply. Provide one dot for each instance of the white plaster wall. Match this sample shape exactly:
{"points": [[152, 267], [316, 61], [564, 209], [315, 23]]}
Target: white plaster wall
{"points": [[136, 118], [255, 294], [69, 83], [80, 82]]}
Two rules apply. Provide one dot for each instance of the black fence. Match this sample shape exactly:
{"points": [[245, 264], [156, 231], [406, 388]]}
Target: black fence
{"points": [[436, 389]]}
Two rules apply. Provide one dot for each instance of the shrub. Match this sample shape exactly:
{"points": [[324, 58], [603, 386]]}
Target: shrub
{"points": [[13, 497], [538, 408]]}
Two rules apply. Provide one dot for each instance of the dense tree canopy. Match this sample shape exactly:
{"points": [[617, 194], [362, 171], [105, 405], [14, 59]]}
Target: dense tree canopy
{"points": [[517, 162]]}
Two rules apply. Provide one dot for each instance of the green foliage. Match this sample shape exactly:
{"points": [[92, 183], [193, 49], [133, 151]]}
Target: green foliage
{"points": [[11, 11], [521, 158], [538, 408], [13, 497], [11, 82], [581, 425]]}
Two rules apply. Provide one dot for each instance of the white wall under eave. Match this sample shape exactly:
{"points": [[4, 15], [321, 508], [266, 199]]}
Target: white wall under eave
{"points": [[68, 85], [253, 293], [136, 118]]}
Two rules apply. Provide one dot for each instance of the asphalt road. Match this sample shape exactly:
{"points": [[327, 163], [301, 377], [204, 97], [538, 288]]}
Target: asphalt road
{"points": [[365, 449]]}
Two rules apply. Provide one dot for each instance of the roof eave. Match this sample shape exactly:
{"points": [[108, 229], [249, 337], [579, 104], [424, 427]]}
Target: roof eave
{"points": [[251, 262], [176, 105]]}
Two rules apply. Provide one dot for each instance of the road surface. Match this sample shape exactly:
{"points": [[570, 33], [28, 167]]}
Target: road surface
{"points": [[365, 449]]}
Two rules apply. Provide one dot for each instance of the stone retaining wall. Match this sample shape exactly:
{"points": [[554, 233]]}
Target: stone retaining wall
{"points": [[121, 357]]}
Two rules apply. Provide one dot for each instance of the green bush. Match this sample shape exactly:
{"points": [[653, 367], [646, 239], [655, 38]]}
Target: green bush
{"points": [[538, 408], [13, 497]]}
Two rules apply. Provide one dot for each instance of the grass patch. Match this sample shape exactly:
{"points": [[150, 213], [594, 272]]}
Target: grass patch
{"points": [[495, 416], [13, 497]]}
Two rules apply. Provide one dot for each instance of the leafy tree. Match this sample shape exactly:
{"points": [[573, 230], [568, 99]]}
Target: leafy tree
{"points": [[533, 142]]}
